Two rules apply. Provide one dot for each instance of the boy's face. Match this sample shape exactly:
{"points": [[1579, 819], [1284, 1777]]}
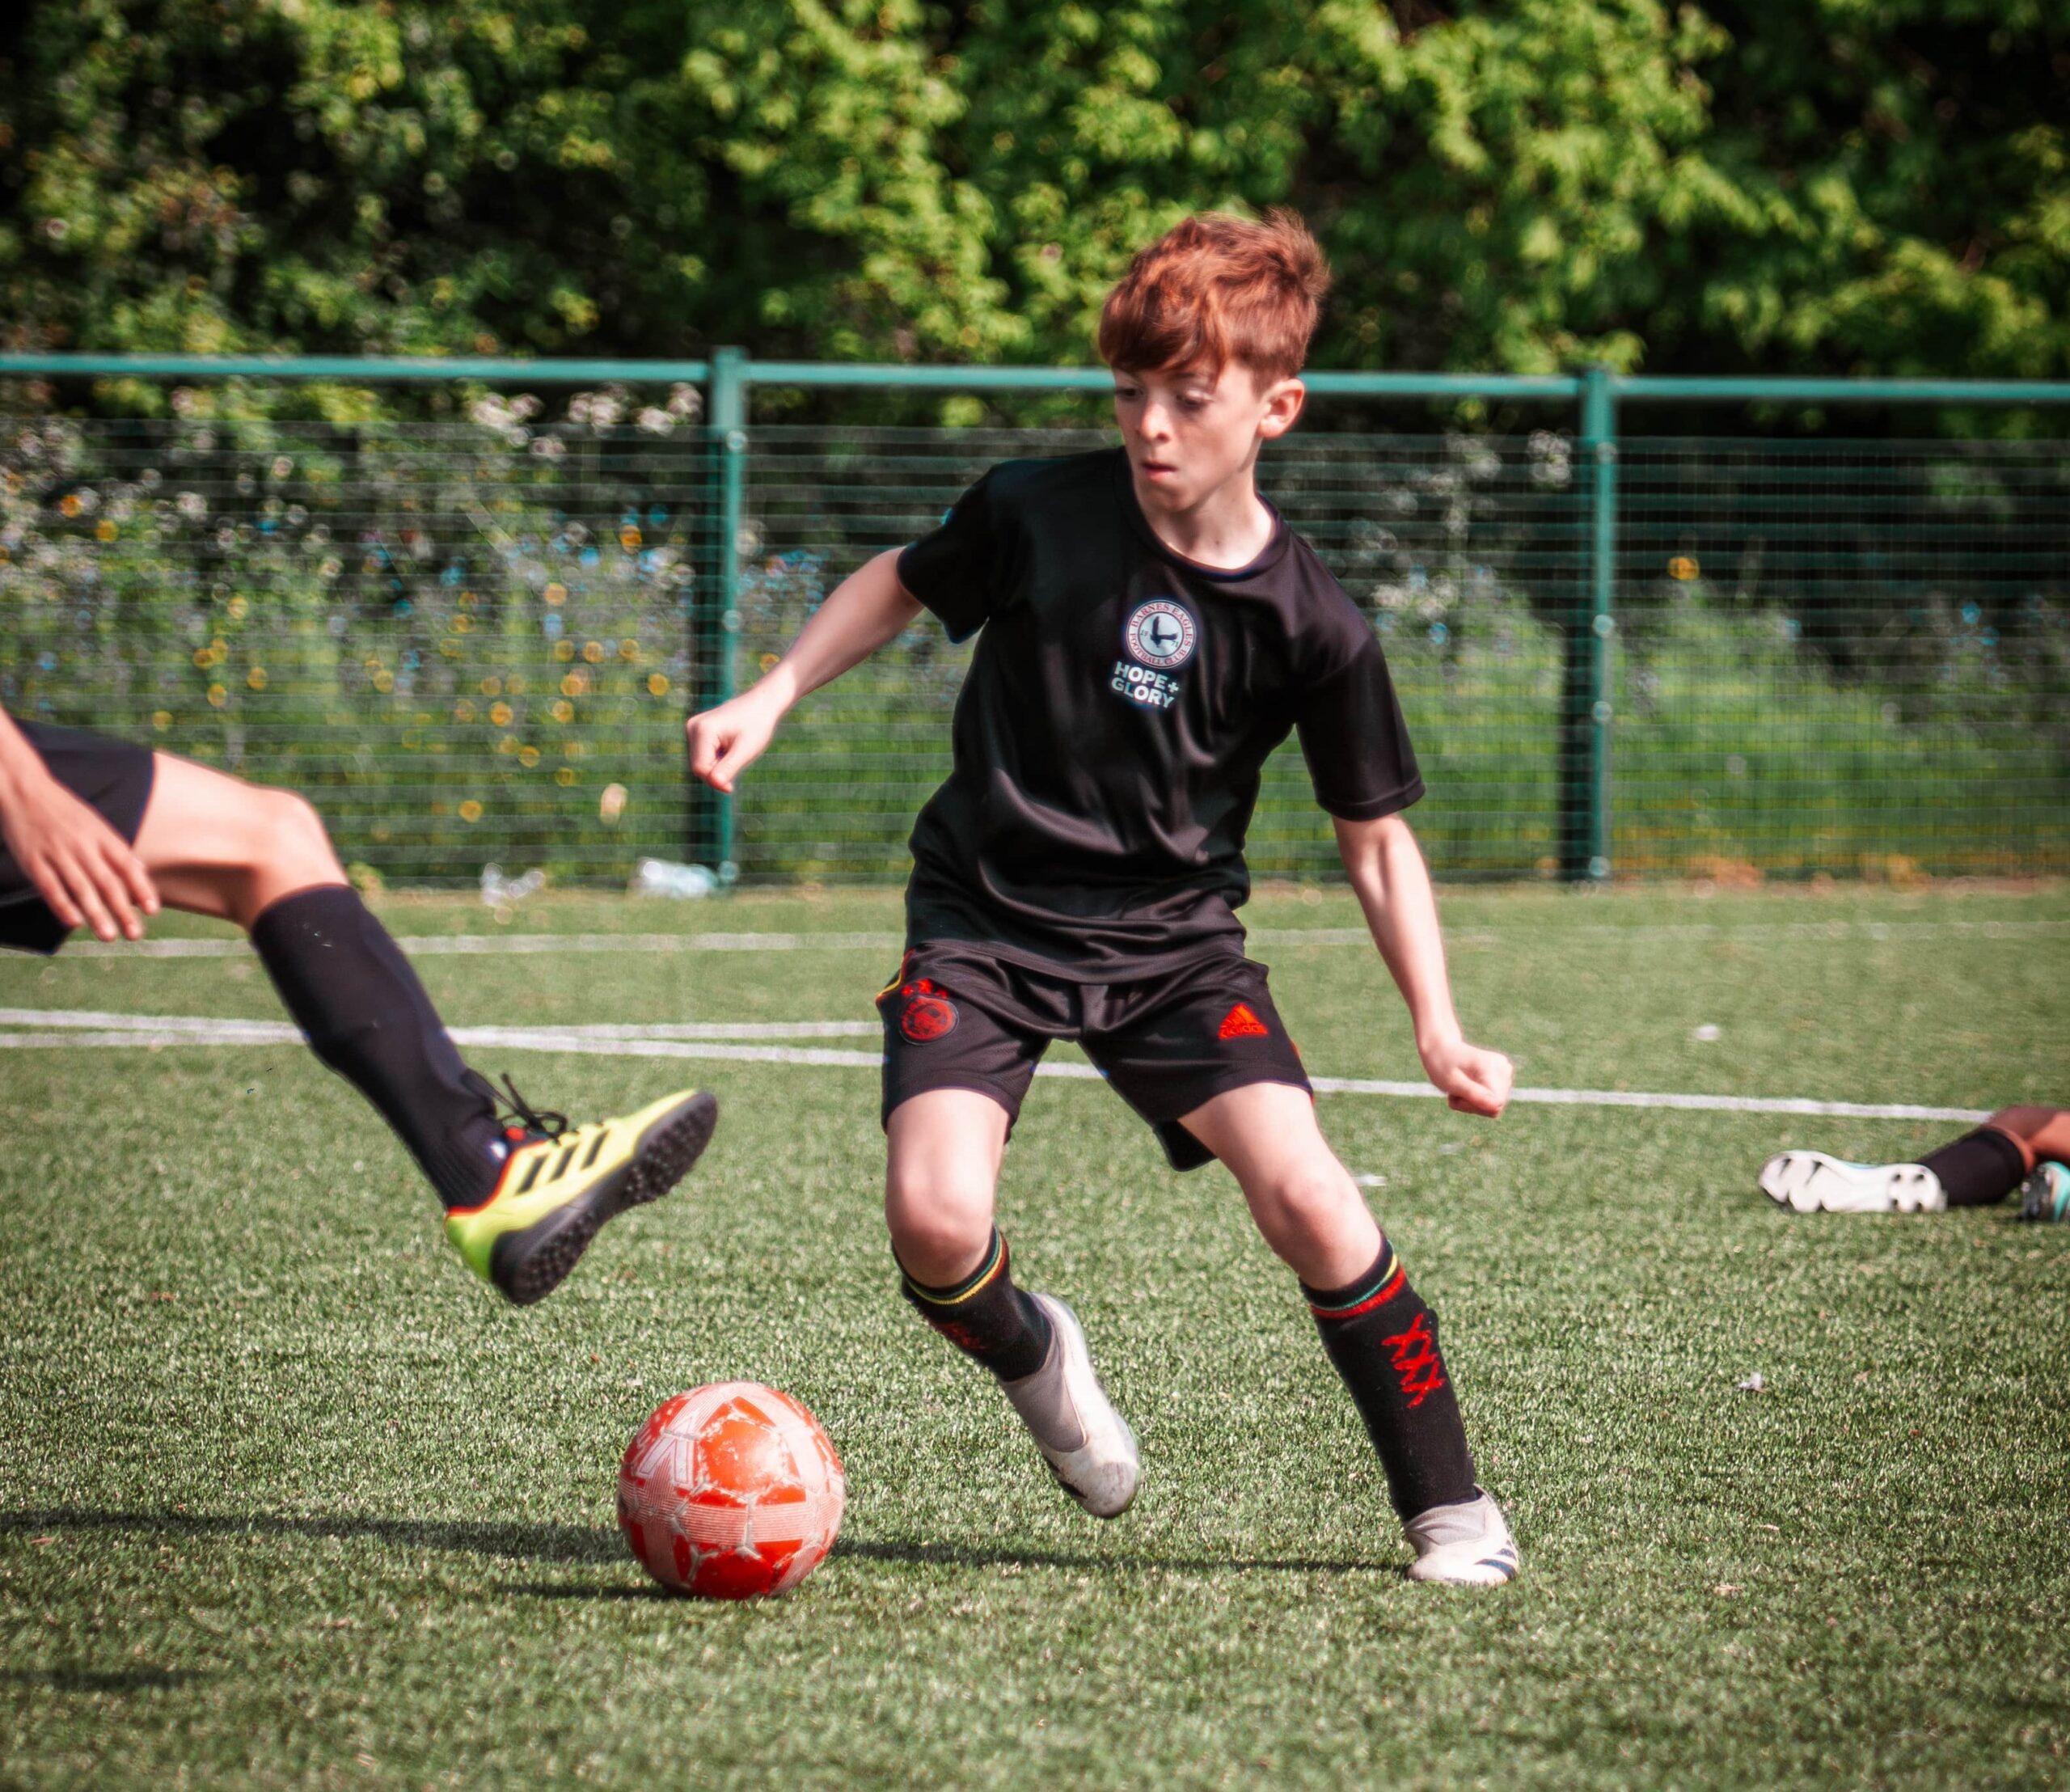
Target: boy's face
{"points": [[1189, 431]]}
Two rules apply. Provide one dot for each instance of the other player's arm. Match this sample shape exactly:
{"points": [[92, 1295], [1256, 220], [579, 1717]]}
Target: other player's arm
{"points": [[83, 869], [1393, 886], [860, 614]]}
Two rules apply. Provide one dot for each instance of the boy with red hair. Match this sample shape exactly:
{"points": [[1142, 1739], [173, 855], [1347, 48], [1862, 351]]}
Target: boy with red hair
{"points": [[1151, 630]]}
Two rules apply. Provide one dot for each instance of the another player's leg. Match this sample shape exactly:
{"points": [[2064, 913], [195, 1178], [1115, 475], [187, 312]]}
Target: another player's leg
{"points": [[2024, 1148], [945, 1146], [523, 1196], [1378, 1332]]}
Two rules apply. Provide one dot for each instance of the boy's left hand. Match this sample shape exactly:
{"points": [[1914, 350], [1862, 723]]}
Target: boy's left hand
{"points": [[1474, 1080]]}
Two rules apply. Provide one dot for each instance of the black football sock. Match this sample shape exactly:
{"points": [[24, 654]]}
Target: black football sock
{"points": [[985, 1316], [348, 986], [1384, 1341], [1978, 1168]]}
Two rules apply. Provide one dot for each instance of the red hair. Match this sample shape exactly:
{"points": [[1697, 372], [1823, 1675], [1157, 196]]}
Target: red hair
{"points": [[1215, 288]]}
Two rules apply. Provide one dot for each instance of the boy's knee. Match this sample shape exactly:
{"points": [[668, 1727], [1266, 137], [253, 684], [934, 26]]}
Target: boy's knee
{"points": [[1305, 1208], [940, 1226], [295, 831]]}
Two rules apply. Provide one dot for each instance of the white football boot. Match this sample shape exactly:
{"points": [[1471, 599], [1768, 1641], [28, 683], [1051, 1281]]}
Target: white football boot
{"points": [[1809, 1181], [1468, 1544], [1087, 1444]]}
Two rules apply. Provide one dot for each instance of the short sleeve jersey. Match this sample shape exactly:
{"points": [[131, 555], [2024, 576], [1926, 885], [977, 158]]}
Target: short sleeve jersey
{"points": [[1117, 713]]}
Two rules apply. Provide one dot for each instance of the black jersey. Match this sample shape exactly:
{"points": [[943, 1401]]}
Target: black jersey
{"points": [[1117, 713]]}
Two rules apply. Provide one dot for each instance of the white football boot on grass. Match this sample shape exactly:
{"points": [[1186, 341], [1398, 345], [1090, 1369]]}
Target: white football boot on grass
{"points": [[1468, 1544], [1087, 1444], [1809, 1181]]}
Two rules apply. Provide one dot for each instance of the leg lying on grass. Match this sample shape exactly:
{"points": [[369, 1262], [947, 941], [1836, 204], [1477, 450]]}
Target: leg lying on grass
{"points": [[2025, 1148], [1381, 1337], [99, 832], [945, 1148]]}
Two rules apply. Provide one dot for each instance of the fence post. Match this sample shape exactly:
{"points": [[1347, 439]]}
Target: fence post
{"points": [[718, 608], [1585, 754]]}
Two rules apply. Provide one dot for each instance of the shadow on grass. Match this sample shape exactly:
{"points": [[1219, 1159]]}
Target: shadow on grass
{"points": [[88, 1680], [946, 1555], [578, 1543], [569, 1543]]}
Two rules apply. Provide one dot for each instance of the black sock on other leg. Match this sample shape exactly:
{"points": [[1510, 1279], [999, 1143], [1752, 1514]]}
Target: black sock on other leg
{"points": [[346, 982], [1384, 1341], [1978, 1168], [985, 1316]]}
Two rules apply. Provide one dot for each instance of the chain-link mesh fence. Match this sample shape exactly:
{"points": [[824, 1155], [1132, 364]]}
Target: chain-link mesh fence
{"points": [[475, 641]]}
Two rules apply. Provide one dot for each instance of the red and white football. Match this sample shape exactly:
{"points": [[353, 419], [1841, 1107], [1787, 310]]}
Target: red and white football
{"points": [[730, 1491]]}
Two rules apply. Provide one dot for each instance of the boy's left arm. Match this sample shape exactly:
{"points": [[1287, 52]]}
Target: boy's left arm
{"points": [[1393, 886]]}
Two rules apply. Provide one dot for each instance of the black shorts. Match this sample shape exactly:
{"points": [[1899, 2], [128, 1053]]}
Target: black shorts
{"points": [[112, 777], [956, 1017]]}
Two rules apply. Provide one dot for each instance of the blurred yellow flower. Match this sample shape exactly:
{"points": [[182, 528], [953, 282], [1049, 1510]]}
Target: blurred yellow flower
{"points": [[563, 711], [564, 650], [105, 529], [592, 651], [217, 696], [657, 683], [491, 687], [500, 714], [628, 538], [556, 594], [162, 718], [238, 609], [470, 811], [565, 776], [463, 711], [256, 678], [528, 757], [384, 681], [628, 649], [574, 684]]}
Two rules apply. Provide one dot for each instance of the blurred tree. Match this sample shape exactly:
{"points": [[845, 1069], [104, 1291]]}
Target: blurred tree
{"points": [[1777, 185]]}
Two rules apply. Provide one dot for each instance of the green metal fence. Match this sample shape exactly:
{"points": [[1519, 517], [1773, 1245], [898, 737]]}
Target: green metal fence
{"points": [[473, 640]]}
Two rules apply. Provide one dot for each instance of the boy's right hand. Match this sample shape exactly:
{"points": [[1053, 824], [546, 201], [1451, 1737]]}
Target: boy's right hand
{"points": [[723, 742], [83, 869]]}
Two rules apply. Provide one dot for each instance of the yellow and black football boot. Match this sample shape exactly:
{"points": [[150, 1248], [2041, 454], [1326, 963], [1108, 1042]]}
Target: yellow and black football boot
{"points": [[558, 1186]]}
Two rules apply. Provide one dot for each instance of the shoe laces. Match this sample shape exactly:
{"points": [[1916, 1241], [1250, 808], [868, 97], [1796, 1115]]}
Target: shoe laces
{"points": [[542, 1121]]}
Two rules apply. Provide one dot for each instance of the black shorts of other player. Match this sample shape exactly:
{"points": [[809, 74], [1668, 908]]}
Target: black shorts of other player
{"points": [[958, 1018], [113, 779]]}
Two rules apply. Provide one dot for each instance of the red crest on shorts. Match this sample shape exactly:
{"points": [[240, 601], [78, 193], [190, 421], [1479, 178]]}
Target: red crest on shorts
{"points": [[927, 1014], [1241, 1023]]}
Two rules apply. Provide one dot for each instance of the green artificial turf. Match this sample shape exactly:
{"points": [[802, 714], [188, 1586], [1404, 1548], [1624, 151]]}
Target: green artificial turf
{"points": [[285, 1498]]}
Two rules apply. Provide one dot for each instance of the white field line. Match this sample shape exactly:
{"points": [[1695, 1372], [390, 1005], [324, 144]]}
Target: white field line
{"points": [[492, 945], [59, 1027]]}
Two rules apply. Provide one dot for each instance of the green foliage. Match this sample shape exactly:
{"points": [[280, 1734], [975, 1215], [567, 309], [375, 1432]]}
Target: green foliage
{"points": [[1815, 185]]}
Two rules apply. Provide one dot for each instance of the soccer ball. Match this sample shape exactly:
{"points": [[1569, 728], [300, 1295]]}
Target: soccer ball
{"points": [[730, 1491]]}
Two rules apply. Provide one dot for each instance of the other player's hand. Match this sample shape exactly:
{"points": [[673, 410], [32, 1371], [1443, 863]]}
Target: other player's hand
{"points": [[723, 742], [1474, 1080], [86, 871]]}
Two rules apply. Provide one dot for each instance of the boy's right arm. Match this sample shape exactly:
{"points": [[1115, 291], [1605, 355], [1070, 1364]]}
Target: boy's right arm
{"points": [[862, 613]]}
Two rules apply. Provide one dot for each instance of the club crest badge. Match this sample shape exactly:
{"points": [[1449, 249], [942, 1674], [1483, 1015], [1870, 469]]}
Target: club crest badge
{"points": [[927, 1014], [1161, 634]]}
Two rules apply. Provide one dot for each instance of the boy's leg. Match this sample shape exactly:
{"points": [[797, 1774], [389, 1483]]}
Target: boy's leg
{"points": [[522, 1201], [1976, 1170], [262, 859], [945, 1146], [943, 1151], [1377, 1330]]}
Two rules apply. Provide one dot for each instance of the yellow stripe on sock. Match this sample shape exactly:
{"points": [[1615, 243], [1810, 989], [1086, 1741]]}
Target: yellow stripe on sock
{"points": [[986, 1277]]}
